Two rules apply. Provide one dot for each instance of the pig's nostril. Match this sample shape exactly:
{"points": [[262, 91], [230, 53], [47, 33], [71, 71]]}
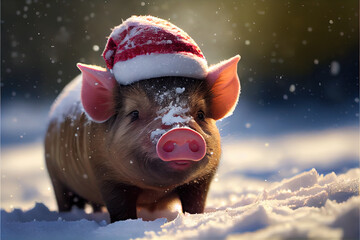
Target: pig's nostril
{"points": [[169, 146], [194, 146]]}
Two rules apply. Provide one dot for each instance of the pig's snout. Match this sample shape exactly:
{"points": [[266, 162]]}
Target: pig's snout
{"points": [[181, 144]]}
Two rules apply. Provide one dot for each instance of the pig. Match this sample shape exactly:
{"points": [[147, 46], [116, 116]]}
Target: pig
{"points": [[147, 149]]}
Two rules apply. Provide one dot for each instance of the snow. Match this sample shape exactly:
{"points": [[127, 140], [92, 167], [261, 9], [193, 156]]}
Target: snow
{"points": [[327, 150], [108, 54], [68, 101], [156, 134], [292, 88], [269, 187], [317, 206], [334, 68], [175, 115], [177, 111], [139, 22], [96, 48], [179, 90]]}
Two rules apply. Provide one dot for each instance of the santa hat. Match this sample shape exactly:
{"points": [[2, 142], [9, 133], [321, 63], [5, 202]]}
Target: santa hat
{"points": [[146, 47]]}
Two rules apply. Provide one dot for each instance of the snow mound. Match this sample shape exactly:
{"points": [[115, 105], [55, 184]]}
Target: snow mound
{"points": [[307, 205]]}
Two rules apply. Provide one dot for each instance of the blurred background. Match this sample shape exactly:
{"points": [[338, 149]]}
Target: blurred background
{"points": [[299, 70], [298, 57]]}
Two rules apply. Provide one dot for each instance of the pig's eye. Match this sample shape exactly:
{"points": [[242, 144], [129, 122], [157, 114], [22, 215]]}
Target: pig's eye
{"points": [[201, 115], [134, 115]]}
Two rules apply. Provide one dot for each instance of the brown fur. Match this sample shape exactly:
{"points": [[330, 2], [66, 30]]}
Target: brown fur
{"points": [[115, 162]]}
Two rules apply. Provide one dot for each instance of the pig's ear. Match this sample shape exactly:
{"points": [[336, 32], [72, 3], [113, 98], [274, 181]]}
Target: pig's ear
{"points": [[97, 92], [225, 87]]}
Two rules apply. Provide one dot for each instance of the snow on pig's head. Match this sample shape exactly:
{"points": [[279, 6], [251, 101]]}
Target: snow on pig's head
{"points": [[155, 113]]}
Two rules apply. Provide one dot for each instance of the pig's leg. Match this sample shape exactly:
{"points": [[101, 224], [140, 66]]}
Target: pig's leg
{"points": [[193, 195], [66, 198], [96, 207], [63, 198], [120, 200], [77, 200]]}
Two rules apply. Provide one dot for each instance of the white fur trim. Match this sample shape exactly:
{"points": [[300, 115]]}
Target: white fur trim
{"points": [[159, 65]]}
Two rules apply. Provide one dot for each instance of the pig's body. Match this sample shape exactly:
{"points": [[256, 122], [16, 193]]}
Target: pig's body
{"points": [[91, 162], [67, 147]]}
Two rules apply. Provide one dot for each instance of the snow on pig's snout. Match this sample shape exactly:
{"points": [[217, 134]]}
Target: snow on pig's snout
{"points": [[181, 144]]}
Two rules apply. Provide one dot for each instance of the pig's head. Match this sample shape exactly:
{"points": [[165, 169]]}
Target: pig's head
{"points": [[160, 132]]}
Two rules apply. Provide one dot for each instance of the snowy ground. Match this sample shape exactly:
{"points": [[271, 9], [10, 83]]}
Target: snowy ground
{"points": [[269, 187]]}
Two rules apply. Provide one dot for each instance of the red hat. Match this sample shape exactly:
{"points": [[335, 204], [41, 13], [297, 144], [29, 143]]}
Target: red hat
{"points": [[146, 47]]}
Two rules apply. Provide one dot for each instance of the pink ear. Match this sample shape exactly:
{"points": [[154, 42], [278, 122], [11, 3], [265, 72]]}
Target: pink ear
{"points": [[97, 92], [225, 87]]}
